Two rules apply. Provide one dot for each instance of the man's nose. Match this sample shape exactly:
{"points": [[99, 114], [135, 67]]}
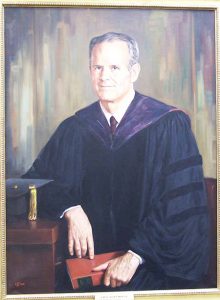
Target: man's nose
{"points": [[105, 74]]}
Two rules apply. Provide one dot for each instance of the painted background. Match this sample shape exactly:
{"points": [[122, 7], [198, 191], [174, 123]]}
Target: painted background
{"points": [[47, 75]]}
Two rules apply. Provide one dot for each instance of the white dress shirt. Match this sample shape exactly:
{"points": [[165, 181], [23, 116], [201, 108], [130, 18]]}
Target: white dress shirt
{"points": [[119, 114]]}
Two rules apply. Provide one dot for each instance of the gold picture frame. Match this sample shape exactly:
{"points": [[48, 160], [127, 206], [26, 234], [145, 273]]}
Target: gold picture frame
{"points": [[169, 5]]}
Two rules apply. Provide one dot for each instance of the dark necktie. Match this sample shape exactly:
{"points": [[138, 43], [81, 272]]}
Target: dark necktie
{"points": [[113, 124]]}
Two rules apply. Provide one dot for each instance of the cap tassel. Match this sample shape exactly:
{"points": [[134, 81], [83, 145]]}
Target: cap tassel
{"points": [[32, 216]]}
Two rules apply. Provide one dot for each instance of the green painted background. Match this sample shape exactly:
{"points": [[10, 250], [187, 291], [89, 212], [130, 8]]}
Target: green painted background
{"points": [[47, 76]]}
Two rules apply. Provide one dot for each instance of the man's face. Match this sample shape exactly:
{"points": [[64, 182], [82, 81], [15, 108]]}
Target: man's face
{"points": [[112, 78]]}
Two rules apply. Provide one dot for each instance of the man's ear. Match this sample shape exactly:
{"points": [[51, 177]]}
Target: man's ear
{"points": [[135, 70]]}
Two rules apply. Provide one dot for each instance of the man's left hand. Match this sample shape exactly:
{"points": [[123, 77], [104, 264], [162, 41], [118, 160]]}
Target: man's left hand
{"points": [[119, 271]]}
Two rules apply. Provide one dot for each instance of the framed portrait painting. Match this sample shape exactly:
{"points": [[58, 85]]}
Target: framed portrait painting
{"points": [[109, 150]]}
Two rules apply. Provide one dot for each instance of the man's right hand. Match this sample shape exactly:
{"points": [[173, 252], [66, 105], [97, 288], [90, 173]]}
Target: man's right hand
{"points": [[80, 238]]}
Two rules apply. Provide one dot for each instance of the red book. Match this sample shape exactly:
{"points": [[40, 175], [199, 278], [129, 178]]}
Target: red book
{"points": [[80, 269]]}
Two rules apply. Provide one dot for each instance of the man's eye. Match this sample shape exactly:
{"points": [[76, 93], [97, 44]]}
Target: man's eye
{"points": [[115, 67], [97, 68]]}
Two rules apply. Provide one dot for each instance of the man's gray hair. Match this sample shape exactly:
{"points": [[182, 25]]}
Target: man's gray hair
{"points": [[114, 36]]}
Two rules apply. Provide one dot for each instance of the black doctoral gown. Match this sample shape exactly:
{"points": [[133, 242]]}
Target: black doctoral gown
{"points": [[142, 189]]}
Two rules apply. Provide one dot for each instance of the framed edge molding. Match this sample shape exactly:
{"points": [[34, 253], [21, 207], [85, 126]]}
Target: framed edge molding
{"points": [[2, 159], [199, 294]]}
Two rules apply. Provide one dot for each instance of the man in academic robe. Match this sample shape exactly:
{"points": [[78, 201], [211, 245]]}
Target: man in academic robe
{"points": [[128, 176]]}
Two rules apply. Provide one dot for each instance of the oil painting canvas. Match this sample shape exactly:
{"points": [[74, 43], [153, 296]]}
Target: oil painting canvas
{"points": [[110, 146]]}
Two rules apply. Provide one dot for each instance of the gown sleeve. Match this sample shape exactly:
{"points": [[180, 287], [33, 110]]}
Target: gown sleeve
{"points": [[172, 234], [59, 160]]}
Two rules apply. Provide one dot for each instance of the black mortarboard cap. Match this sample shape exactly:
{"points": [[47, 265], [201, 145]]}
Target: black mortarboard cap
{"points": [[17, 190]]}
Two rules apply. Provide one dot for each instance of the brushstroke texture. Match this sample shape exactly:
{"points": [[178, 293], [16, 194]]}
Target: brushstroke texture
{"points": [[47, 74]]}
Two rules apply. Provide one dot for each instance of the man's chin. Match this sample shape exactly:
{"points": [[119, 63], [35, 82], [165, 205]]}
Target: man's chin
{"points": [[106, 100]]}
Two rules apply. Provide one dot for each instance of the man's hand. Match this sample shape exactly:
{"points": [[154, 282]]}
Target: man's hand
{"points": [[80, 238], [120, 270]]}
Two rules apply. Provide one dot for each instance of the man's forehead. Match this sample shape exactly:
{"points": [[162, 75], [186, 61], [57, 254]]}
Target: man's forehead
{"points": [[115, 49], [111, 44]]}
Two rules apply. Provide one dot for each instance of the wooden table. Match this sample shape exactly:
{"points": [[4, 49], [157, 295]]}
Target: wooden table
{"points": [[32, 256]]}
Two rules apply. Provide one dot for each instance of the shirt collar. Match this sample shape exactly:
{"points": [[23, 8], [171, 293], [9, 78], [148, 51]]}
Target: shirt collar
{"points": [[118, 115]]}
